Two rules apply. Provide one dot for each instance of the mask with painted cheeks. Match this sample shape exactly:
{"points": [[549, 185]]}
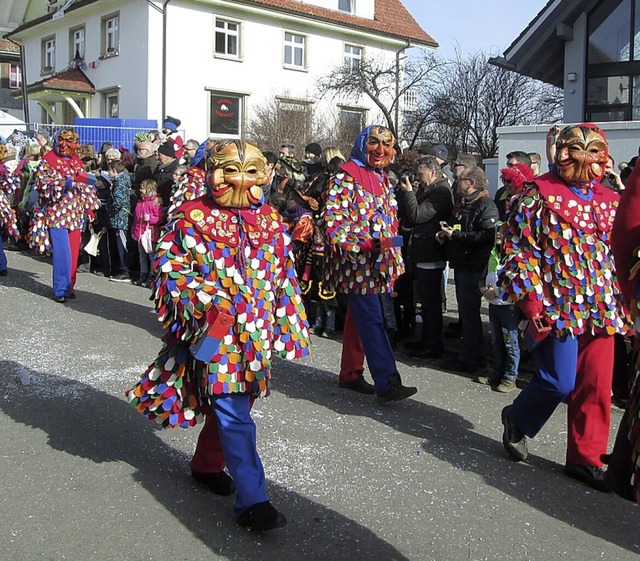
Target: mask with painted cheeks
{"points": [[380, 147], [235, 173], [67, 143], [581, 154]]}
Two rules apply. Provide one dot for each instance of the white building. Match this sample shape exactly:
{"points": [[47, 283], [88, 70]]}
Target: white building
{"points": [[209, 63]]}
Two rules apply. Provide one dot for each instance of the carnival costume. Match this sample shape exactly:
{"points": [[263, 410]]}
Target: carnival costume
{"points": [[9, 182], [192, 183], [359, 218], [624, 464], [64, 200], [556, 265], [224, 255]]}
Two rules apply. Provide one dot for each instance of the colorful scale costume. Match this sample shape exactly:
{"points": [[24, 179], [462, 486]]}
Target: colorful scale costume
{"points": [[240, 260], [63, 200], [556, 250], [190, 186], [360, 207], [8, 184]]}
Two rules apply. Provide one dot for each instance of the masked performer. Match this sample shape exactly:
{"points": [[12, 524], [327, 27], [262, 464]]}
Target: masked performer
{"points": [[558, 268], [64, 199], [9, 182], [363, 261], [228, 297]]}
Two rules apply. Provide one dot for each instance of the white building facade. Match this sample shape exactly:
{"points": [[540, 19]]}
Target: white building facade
{"points": [[209, 63]]}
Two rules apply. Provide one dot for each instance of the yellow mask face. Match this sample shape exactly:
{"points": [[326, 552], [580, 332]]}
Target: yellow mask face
{"points": [[3, 152], [235, 173], [581, 154]]}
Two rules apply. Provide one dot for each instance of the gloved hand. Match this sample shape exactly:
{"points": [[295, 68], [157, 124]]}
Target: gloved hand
{"points": [[68, 183]]}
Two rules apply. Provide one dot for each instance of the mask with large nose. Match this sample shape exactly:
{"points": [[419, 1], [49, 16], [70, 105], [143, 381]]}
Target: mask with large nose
{"points": [[581, 153], [235, 173], [380, 150]]}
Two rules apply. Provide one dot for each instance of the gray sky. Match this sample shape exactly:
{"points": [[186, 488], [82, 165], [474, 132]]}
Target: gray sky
{"points": [[473, 25]]}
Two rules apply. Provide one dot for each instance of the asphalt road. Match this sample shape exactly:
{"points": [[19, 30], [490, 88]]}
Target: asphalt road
{"points": [[84, 477]]}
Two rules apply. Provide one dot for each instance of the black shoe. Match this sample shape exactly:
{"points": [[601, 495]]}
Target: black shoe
{"points": [[59, 299], [4, 273], [99, 274], [456, 365], [414, 345], [593, 476], [218, 483], [71, 296], [515, 443], [84, 268], [141, 281], [396, 392], [262, 517], [360, 385], [121, 277]]}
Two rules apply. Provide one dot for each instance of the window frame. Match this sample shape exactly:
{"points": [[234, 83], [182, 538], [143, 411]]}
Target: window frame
{"points": [[349, 8], [241, 98], [73, 44], [227, 33], [107, 47], [350, 58], [15, 83], [294, 46], [48, 54], [361, 111], [105, 96]]}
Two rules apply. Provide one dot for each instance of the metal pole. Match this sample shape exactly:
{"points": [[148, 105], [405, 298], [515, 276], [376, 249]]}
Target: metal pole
{"points": [[164, 58]]}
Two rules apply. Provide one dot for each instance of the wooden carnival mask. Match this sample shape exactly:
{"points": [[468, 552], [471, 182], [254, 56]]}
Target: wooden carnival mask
{"points": [[235, 173], [67, 143], [380, 147], [581, 153]]}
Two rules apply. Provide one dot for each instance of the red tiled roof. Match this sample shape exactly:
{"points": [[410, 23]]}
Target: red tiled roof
{"points": [[390, 18], [68, 80]]}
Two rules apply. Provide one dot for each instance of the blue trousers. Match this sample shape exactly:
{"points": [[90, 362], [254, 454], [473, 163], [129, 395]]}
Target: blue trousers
{"points": [[238, 439], [366, 312], [61, 255], [557, 361], [3, 257], [504, 341]]}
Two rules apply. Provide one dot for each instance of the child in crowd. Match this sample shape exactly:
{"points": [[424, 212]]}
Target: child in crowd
{"points": [[147, 221]]}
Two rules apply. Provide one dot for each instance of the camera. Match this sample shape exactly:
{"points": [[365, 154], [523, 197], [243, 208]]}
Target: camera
{"points": [[408, 176], [611, 177]]}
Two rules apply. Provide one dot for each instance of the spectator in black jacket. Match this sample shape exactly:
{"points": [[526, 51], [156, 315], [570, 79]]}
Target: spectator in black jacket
{"points": [[423, 211], [163, 174], [469, 244]]}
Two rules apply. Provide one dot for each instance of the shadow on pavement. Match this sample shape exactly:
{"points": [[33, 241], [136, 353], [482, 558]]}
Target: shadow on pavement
{"points": [[99, 427], [450, 437], [106, 307]]}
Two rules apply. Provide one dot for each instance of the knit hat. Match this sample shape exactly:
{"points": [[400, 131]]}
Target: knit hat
{"points": [[314, 148], [171, 123], [167, 149]]}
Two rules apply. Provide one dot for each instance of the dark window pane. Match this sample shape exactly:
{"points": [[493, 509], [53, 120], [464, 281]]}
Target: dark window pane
{"points": [[225, 114], [220, 37], [609, 36], [610, 90]]}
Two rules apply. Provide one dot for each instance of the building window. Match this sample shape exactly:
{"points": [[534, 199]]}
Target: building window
{"points": [[351, 122], [227, 38], [294, 50], [76, 43], [111, 34], [352, 57], [613, 64], [346, 6], [410, 100], [15, 77], [48, 54], [110, 105], [226, 112], [294, 116]]}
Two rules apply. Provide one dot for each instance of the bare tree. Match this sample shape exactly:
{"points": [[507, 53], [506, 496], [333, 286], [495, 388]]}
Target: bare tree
{"points": [[384, 82], [471, 99], [284, 120]]}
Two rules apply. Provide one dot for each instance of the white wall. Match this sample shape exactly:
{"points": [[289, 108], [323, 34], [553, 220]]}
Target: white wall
{"points": [[623, 138], [260, 73]]}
